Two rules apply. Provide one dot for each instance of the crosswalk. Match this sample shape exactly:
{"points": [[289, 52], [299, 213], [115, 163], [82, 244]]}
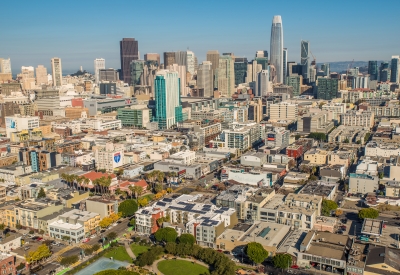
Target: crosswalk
{"points": [[85, 246]]}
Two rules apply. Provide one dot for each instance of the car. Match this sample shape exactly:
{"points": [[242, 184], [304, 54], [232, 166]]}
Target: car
{"points": [[26, 248], [39, 239], [343, 227], [227, 252], [397, 218], [340, 232], [86, 240], [295, 267], [34, 238], [13, 231], [219, 250], [344, 220], [36, 269]]}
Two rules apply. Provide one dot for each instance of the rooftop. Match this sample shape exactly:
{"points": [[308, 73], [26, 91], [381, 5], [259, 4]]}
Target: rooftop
{"points": [[372, 227], [65, 225]]}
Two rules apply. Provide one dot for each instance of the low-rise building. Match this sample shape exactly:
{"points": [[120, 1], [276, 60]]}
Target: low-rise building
{"points": [[104, 207], [357, 118], [379, 149], [382, 260], [324, 189], [8, 264], [316, 156], [254, 159], [10, 242], [392, 189], [361, 183]]}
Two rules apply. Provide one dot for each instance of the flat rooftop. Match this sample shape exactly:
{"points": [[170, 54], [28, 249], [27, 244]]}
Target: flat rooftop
{"points": [[372, 227], [266, 233], [274, 202]]}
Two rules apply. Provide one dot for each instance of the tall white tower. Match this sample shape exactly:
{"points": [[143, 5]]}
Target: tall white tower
{"points": [[276, 50], [99, 63]]}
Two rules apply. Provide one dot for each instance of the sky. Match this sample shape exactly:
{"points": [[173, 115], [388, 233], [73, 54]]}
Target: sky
{"points": [[79, 31]]}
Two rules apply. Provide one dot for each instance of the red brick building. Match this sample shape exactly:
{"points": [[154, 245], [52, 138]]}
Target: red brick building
{"points": [[7, 264], [294, 151]]}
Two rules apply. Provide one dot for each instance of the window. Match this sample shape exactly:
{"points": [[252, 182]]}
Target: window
{"points": [[66, 232]]}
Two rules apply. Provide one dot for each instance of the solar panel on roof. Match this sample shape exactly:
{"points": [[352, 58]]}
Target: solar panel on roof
{"points": [[167, 200], [161, 203]]}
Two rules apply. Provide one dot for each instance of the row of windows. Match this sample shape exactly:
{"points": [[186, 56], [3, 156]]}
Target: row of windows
{"points": [[321, 260], [65, 232]]}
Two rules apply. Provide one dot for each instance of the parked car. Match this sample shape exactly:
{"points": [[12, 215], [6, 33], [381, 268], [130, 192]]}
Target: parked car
{"points": [[39, 239], [86, 240], [26, 248]]}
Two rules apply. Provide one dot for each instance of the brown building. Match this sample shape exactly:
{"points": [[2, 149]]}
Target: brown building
{"points": [[27, 109], [169, 59], [8, 109], [8, 160], [75, 112], [7, 264], [152, 56], [8, 88], [88, 86], [63, 131], [5, 77]]}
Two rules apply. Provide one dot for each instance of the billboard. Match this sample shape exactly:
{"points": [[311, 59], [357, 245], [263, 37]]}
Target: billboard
{"points": [[10, 123], [117, 157], [271, 137]]}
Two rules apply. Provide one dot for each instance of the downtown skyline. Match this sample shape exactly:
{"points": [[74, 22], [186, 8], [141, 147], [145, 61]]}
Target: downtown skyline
{"points": [[78, 39]]}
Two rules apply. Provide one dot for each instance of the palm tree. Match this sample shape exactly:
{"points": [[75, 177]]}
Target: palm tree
{"points": [[138, 190], [79, 181], [86, 182]]}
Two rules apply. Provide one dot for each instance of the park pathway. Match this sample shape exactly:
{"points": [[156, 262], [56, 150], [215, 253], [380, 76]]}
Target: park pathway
{"points": [[154, 266], [129, 251]]}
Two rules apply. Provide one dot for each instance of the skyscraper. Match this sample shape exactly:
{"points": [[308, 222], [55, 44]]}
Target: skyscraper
{"points": [[169, 59], [181, 58], [41, 75], [99, 63], [129, 50], [304, 60], [181, 70], [262, 54], [190, 62], [327, 88], [285, 59], [240, 67], [167, 97], [384, 72], [136, 68], [152, 56], [56, 71], [276, 50], [295, 81], [205, 78], [213, 57], [394, 69], [226, 76], [5, 66], [326, 68], [262, 83], [373, 70]]}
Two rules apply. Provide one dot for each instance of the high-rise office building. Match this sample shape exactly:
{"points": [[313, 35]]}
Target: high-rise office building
{"points": [[152, 57], [181, 58], [205, 78], [167, 98], [129, 50], [99, 63], [136, 67], [5, 66], [263, 61], [373, 70], [304, 60], [295, 81], [56, 71], [327, 88], [226, 76], [41, 75], [169, 59], [262, 54], [240, 67], [181, 70], [276, 50], [394, 69], [213, 57], [191, 62], [262, 83], [285, 59], [326, 69], [108, 75], [384, 72]]}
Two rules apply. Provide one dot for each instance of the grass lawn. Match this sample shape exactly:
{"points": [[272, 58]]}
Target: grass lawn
{"points": [[148, 196], [138, 249], [119, 253], [181, 267]]}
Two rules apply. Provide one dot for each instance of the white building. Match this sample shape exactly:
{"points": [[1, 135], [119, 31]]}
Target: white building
{"points": [[7, 244], [100, 124], [99, 63], [378, 149], [109, 156], [5, 66], [191, 62], [59, 229], [283, 111], [185, 157], [205, 76], [181, 70], [74, 125], [263, 85], [18, 123], [56, 70], [357, 118], [226, 76]]}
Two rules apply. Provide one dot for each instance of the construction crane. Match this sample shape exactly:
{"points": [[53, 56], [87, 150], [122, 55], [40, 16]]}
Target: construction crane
{"points": [[315, 60]]}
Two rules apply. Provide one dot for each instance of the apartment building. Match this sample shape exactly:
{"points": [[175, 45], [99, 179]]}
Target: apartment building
{"points": [[358, 118], [18, 123], [209, 132], [109, 157], [381, 149], [105, 207], [88, 220], [392, 189], [363, 183], [315, 123], [184, 157], [283, 111], [316, 156], [28, 212]]}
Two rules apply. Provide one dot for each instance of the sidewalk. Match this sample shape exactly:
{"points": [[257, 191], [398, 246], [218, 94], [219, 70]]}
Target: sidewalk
{"points": [[129, 251]]}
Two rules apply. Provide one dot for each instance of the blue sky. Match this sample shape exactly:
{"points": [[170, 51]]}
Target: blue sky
{"points": [[79, 31]]}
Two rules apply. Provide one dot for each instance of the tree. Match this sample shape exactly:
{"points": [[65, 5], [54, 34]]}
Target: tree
{"points": [[40, 253], [114, 217], [2, 226], [128, 208], [296, 137], [169, 190], [327, 207], [69, 260], [282, 260], [132, 222], [41, 193], [256, 252], [381, 175], [187, 239], [105, 222], [317, 136], [111, 236], [142, 202], [291, 164], [366, 137], [338, 212], [346, 141], [170, 248], [158, 188], [368, 213], [167, 234]]}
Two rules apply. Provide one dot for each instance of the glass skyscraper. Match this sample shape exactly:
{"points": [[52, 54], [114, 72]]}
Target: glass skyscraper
{"points": [[276, 50], [373, 70], [394, 69], [129, 50], [305, 63], [167, 98], [285, 60]]}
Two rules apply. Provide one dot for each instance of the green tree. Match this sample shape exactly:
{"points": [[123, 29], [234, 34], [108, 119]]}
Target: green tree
{"points": [[317, 136], [187, 239], [346, 141], [158, 188], [170, 248], [381, 175], [69, 260], [366, 137], [167, 234], [327, 207], [256, 252], [296, 137], [132, 222], [128, 208], [41, 194], [282, 260], [368, 213], [2, 226], [143, 201], [112, 236]]}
